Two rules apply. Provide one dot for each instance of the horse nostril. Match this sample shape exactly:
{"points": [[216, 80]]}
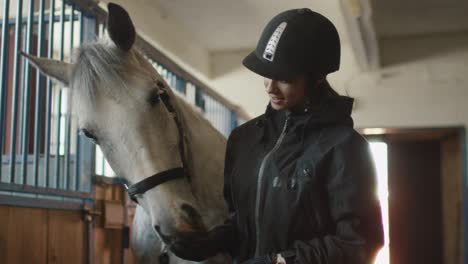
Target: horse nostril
{"points": [[192, 216], [189, 211], [158, 229], [165, 239]]}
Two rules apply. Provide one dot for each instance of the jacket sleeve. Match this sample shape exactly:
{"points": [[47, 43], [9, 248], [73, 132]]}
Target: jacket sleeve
{"points": [[356, 234], [226, 234]]}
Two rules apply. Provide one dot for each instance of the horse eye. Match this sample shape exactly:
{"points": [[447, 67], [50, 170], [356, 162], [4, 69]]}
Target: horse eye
{"points": [[153, 98], [89, 135], [160, 84]]}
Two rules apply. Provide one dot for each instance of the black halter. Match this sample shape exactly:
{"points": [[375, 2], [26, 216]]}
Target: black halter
{"points": [[180, 172]]}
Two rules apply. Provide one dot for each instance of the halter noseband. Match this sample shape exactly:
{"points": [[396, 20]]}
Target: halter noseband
{"points": [[159, 178]]}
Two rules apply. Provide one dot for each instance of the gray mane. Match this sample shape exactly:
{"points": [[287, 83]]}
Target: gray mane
{"points": [[98, 65]]}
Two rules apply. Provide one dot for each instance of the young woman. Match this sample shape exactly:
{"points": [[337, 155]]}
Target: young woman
{"points": [[300, 182]]}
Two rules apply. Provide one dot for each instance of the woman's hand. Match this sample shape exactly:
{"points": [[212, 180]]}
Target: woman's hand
{"points": [[195, 249], [267, 259], [280, 259]]}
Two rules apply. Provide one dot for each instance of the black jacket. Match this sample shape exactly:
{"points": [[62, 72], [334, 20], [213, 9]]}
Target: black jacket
{"points": [[304, 183]]}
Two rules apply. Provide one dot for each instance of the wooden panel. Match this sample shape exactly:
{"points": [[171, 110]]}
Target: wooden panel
{"points": [[59, 236], [109, 192], [452, 199], [415, 205], [4, 224], [114, 215], [108, 245], [130, 216], [66, 243], [108, 242], [24, 235]]}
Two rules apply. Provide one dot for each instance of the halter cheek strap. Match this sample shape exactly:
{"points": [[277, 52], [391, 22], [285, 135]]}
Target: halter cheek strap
{"points": [[153, 181], [167, 102], [159, 178]]}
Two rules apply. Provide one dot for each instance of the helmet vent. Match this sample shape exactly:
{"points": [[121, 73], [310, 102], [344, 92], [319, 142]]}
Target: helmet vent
{"points": [[270, 49]]}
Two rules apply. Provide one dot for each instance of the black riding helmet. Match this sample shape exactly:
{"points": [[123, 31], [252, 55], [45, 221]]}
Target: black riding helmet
{"points": [[295, 42]]}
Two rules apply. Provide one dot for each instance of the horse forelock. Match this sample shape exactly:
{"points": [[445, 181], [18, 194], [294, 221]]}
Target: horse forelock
{"points": [[100, 67]]}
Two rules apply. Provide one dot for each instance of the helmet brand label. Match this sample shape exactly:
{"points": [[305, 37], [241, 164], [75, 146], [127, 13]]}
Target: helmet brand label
{"points": [[269, 53]]}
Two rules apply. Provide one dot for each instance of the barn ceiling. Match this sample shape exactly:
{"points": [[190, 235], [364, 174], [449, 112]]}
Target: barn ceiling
{"points": [[231, 25], [226, 25], [416, 17]]}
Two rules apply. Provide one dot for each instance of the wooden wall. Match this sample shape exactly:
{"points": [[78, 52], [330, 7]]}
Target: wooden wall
{"points": [[415, 207], [452, 198], [426, 169], [35, 235], [116, 213], [30, 235]]}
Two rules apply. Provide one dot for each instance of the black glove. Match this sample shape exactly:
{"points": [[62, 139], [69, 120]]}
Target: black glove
{"points": [[289, 256], [266, 259], [195, 248], [204, 245]]}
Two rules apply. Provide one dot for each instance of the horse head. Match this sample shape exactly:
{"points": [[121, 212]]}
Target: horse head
{"points": [[121, 104]]}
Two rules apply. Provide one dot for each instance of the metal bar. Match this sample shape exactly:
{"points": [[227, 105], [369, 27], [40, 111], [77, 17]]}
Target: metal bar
{"points": [[26, 94], [59, 100], [68, 116], [14, 107], [156, 55], [41, 203], [103, 162], [90, 238], [88, 159], [233, 121], [37, 111], [78, 137], [216, 116], [12, 21], [12, 187], [50, 55], [169, 78], [77, 162], [21, 86], [103, 29], [4, 76], [463, 142], [162, 59]]}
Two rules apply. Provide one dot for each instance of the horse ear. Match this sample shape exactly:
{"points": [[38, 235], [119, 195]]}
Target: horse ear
{"points": [[55, 69], [120, 27]]}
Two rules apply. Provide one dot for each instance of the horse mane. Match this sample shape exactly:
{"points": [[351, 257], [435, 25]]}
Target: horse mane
{"points": [[101, 64]]}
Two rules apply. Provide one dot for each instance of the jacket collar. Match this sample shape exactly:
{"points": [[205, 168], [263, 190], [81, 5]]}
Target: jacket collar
{"points": [[330, 110]]}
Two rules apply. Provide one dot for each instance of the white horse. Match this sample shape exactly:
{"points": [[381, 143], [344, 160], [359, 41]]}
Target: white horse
{"points": [[144, 129]]}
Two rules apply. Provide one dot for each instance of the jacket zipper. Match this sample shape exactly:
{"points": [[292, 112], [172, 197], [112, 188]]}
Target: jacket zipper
{"points": [[259, 184]]}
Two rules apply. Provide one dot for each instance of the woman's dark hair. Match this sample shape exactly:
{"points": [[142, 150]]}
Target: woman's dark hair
{"points": [[319, 87], [325, 87]]}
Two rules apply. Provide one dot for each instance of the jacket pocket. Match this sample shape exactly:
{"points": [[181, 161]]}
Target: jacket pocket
{"points": [[306, 176]]}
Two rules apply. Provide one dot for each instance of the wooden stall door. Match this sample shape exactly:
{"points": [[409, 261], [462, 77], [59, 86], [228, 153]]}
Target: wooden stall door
{"points": [[415, 202], [110, 233], [452, 157], [31, 235]]}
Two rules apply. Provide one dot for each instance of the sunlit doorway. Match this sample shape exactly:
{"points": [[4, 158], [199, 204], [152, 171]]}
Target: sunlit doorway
{"points": [[380, 154]]}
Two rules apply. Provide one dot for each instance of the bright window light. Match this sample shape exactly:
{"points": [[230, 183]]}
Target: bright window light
{"points": [[379, 153]]}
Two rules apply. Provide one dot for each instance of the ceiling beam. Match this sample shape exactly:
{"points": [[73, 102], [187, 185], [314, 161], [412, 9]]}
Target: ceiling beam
{"points": [[362, 34]]}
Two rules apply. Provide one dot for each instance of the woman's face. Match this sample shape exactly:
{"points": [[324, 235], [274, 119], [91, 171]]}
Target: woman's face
{"points": [[286, 94]]}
